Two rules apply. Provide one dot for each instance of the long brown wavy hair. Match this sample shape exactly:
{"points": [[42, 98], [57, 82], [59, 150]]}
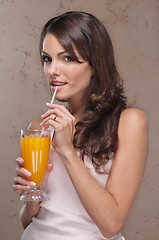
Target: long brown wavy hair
{"points": [[104, 100]]}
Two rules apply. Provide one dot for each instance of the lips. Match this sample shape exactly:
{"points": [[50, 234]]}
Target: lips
{"points": [[57, 83]]}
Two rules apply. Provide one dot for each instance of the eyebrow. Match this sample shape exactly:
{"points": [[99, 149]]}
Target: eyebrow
{"points": [[60, 53]]}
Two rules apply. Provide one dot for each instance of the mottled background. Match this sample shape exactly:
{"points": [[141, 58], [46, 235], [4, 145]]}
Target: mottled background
{"points": [[134, 29]]}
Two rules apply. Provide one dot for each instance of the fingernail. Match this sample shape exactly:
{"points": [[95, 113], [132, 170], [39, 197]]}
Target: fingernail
{"points": [[28, 173], [48, 103], [20, 160], [33, 184]]}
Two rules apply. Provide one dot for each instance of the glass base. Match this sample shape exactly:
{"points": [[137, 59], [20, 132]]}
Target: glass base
{"points": [[34, 194]]}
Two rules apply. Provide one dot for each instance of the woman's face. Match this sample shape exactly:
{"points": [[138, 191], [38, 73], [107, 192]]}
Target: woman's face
{"points": [[71, 77]]}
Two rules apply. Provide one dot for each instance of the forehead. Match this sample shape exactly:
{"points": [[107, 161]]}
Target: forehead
{"points": [[51, 43]]}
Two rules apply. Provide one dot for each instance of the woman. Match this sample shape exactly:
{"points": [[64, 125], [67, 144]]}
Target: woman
{"points": [[99, 146]]}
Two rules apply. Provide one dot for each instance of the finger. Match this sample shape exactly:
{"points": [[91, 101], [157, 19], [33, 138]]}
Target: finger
{"points": [[60, 112], [55, 111], [49, 122], [51, 116], [58, 115], [20, 161], [55, 118], [58, 126], [20, 189], [23, 172], [24, 182], [62, 108], [65, 110]]}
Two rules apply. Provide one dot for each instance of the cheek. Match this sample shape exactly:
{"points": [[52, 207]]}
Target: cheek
{"points": [[46, 73], [81, 76], [45, 70]]}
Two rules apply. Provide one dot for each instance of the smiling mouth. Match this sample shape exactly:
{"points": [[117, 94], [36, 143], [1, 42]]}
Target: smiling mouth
{"points": [[58, 84]]}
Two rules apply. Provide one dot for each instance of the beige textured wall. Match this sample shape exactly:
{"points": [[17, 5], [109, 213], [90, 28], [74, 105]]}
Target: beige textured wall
{"points": [[134, 28]]}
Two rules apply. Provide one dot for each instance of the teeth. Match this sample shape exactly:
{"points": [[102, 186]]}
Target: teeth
{"points": [[59, 84]]}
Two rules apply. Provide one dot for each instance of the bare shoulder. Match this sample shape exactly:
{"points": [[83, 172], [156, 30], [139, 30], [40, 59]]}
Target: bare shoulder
{"points": [[133, 118], [35, 124], [129, 162]]}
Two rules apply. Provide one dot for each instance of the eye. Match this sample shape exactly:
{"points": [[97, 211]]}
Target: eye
{"points": [[69, 59], [46, 58]]}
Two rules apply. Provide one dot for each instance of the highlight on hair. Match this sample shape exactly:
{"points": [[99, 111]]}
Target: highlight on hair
{"points": [[96, 132]]}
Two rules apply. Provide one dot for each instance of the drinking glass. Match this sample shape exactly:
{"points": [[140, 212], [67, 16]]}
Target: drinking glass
{"points": [[35, 149]]}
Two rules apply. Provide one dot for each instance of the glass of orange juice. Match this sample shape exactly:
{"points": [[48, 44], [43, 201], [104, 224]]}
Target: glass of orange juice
{"points": [[35, 149]]}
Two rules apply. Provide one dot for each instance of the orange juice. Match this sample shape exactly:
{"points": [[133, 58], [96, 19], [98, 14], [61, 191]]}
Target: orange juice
{"points": [[35, 152]]}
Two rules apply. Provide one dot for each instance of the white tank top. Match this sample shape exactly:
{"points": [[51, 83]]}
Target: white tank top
{"points": [[63, 216]]}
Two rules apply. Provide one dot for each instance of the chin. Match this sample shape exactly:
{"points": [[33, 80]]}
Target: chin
{"points": [[61, 99]]}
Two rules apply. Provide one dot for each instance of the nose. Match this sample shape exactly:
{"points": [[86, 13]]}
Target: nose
{"points": [[54, 68]]}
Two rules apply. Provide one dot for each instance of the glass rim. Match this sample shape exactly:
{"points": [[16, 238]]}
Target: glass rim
{"points": [[35, 131]]}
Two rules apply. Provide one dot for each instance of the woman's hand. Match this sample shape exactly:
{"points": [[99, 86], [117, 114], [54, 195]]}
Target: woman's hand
{"points": [[21, 184], [64, 124]]}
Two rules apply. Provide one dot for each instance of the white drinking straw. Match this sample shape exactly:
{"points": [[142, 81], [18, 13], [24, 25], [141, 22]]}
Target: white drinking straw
{"points": [[53, 96], [52, 100]]}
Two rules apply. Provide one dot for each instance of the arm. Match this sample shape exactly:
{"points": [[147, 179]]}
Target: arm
{"points": [[107, 207], [28, 211]]}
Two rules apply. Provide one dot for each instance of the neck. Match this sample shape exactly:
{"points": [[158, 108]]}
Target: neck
{"points": [[74, 109]]}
